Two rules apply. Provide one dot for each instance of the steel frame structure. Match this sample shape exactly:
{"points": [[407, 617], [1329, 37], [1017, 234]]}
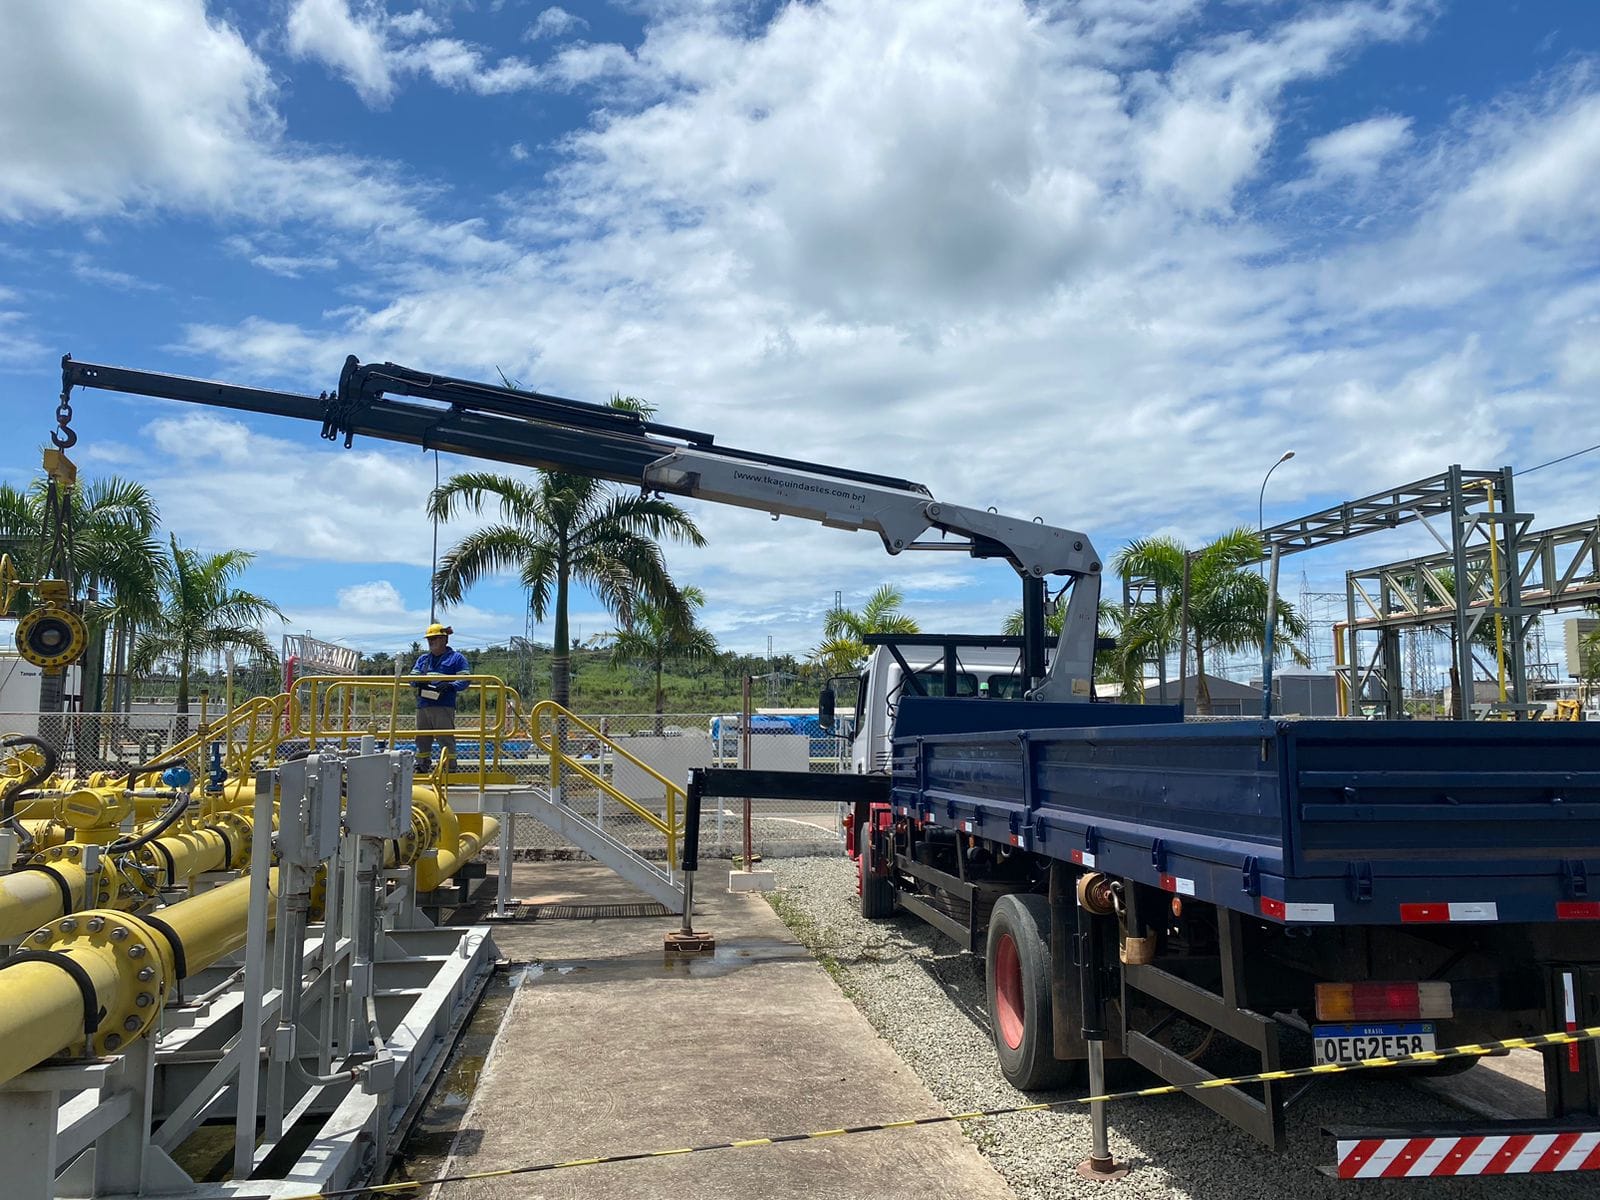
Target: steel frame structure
{"points": [[1555, 568], [1478, 506]]}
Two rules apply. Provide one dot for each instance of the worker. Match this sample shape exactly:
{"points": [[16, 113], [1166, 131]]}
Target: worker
{"points": [[436, 698]]}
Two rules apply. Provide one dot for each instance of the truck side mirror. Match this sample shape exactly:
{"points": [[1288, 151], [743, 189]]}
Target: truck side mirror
{"points": [[825, 703]]}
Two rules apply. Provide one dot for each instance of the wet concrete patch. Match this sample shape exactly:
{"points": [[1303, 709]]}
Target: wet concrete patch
{"points": [[726, 959]]}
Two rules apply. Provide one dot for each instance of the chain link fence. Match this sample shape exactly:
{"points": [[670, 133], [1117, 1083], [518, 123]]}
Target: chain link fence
{"points": [[633, 750]]}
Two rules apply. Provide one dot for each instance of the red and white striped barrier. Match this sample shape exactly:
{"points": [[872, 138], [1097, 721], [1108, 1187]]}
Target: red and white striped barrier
{"points": [[1497, 1154]]}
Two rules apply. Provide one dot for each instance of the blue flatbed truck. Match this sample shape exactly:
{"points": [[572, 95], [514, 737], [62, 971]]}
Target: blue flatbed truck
{"points": [[1314, 891], [1310, 891]]}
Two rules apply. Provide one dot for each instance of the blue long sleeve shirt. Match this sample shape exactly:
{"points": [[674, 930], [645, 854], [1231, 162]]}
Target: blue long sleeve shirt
{"points": [[451, 662]]}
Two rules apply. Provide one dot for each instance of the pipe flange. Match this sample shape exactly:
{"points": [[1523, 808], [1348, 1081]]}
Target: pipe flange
{"points": [[426, 827], [238, 831], [141, 957], [67, 852]]}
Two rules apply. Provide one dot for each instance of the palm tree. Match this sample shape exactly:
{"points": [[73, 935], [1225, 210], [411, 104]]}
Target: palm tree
{"points": [[114, 559], [843, 650], [203, 613], [560, 529], [1227, 606], [658, 635]]}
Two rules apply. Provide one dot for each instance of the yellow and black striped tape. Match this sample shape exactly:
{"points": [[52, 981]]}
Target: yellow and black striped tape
{"points": [[1170, 1089]]}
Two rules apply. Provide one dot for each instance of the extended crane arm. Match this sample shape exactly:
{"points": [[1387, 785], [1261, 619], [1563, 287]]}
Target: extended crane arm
{"points": [[553, 433]]}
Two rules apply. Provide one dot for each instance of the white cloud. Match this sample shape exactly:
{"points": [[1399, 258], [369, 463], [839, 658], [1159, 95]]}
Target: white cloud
{"points": [[1215, 110], [456, 64], [18, 344], [351, 42], [1356, 151], [392, 628], [105, 105], [86, 269], [416, 23], [554, 22], [110, 109], [378, 596], [1542, 175], [295, 496], [372, 50]]}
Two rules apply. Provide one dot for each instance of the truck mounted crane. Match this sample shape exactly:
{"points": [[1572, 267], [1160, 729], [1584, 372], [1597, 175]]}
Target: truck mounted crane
{"points": [[532, 429], [1317, 896]]}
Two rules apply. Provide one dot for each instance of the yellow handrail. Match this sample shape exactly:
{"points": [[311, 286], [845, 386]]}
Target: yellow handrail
{"points": [[559, 759], [325, 712], [249, 714]]}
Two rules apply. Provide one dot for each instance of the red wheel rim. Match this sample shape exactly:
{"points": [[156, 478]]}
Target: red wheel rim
{"points": [[1010, 1011]]}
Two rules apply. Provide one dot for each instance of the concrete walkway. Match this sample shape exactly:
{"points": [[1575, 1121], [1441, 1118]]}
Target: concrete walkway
{"points": [[608, 1049]]}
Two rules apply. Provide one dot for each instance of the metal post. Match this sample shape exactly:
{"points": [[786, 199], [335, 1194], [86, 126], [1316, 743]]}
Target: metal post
{"points": [[1466, 690], [1033, 632], [1266, 641], [1099, 1165], [744, 761], [685, 941], [246, 1050], [502, 895], [1161, 659]]}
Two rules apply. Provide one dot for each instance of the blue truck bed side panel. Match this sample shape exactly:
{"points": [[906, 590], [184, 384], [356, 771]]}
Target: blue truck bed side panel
{"points": [[1301, 821]]}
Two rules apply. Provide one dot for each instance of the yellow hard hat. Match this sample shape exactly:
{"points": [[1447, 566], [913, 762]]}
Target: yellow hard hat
{"points": [[437, 630]]}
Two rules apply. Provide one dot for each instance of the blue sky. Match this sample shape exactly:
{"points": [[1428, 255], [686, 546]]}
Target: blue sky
{"points": [[1099, 262]]}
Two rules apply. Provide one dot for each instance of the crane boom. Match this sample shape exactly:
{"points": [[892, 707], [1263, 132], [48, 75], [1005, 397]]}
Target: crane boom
{"points": [[553, 433]]}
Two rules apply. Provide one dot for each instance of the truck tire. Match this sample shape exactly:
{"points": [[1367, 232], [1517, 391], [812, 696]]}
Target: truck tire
{"points": [[877, 891], [1017, 969]]}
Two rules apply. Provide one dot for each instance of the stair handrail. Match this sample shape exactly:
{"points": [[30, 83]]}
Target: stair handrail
{"points": [[236, 761], [560, 760]]}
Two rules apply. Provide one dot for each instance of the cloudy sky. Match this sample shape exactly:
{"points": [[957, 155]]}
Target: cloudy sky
{"points": [[1099, 262]]}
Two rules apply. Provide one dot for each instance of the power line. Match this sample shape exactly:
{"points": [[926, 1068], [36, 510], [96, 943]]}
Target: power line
{"points": [[1562, 459]]}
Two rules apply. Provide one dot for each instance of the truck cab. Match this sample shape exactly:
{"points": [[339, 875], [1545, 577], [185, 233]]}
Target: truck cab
{"points": [[981, 672]]}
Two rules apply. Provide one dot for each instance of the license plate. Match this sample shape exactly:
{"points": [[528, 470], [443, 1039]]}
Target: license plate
{"points": [[1347, 1044]]}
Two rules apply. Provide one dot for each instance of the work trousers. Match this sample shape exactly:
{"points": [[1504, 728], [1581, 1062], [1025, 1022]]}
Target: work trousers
{"points": [[435, 716]]}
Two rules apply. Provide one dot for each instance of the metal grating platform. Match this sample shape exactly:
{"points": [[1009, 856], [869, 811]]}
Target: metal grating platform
{"points": [[589, 912]]}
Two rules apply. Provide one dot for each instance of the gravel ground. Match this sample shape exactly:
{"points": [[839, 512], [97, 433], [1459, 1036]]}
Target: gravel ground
{"points": [[927, 1000]]}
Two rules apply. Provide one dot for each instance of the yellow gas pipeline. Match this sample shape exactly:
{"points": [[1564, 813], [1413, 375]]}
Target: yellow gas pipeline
{"points": [[56, 882], [458, 841], [96, 980]]}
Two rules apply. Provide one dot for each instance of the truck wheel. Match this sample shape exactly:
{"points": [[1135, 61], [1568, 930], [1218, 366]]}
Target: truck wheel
{"points": [[877, 891], [1017, 962]]}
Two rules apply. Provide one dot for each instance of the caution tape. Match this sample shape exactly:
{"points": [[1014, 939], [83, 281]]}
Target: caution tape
{"points": [[1475, 1049]]}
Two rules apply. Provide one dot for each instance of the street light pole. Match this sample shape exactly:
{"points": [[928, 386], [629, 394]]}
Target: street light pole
{"points": [[1272, 593], [1261, 498]]}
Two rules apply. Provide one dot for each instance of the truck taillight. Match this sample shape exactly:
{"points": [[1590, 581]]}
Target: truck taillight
{"points": [[1345, 1002]]}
